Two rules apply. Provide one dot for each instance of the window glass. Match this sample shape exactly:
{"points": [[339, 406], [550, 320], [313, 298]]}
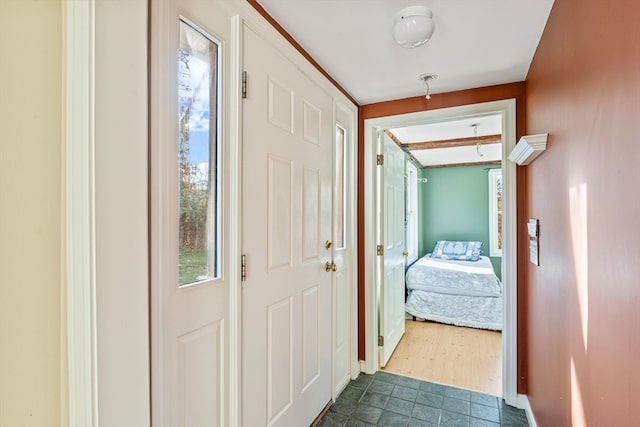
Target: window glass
{"points": [[339, 188], [198, 156]]}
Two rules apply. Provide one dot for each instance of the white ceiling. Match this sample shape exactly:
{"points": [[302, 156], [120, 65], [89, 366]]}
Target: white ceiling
{"points": [[476, 43]]}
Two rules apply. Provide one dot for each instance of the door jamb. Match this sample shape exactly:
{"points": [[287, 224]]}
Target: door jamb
{"points": [[79, 214], [507, 108]]}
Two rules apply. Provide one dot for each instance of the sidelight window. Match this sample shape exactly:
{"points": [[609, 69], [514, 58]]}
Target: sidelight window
{"points": [[198, 156]]}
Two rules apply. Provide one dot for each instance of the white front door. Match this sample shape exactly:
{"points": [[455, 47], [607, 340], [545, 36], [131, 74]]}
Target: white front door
{"points": [[287, 209], [190, 214], [391, 321]]}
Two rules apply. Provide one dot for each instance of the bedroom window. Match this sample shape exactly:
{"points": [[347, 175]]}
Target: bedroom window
{"points": [[198, 155], [495, 212]]}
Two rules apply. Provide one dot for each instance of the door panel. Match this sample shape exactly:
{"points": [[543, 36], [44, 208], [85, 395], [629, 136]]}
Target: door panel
{"points": [[342, 246], [190, 344], [199, 373], [392, 294], [286, 301]]}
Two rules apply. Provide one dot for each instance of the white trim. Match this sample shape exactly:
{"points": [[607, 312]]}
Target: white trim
{"points": [[522, 402], [235, 229], [509, 258], [509, 334], [80, 251], [158, 17], [370, 242], [349, 123], [528, 149]]}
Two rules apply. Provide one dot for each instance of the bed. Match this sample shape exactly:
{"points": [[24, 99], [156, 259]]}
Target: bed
{"points": [[457, 287]]}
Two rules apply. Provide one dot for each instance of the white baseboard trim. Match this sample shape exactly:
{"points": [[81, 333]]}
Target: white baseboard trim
{"points": [[523, 403]]}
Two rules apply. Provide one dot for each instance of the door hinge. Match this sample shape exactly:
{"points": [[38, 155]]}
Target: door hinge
{"points": [[244, 84], [380, 159], [243, 268], [380, 341], [379, 250]]}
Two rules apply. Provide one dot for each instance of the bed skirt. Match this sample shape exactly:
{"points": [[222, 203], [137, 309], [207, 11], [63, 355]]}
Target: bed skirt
{"points": [[459, 310]]}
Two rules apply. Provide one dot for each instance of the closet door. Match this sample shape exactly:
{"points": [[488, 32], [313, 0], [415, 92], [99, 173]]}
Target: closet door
{"points": [[287, 209]]}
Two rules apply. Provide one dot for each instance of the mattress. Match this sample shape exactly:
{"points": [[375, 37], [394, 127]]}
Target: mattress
{"points": [[472, 278]]}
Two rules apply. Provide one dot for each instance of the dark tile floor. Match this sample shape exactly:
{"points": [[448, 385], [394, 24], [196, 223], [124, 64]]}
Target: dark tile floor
{"points": [[390, 400]]}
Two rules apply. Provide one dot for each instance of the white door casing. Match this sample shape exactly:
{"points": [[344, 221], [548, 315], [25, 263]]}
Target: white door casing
{"points": [[507, 109], [392, 238], [191, 325], [286, 298]]}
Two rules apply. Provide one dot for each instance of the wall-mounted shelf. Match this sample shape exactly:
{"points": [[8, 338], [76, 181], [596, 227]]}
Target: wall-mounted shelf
{"points": [[528, 148]]}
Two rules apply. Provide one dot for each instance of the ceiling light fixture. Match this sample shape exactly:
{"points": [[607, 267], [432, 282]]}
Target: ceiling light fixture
{"points": [[424, 78], [413, 26], [475, 133]]}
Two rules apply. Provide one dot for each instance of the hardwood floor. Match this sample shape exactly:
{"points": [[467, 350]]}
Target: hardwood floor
{"points": [[462, 357]]}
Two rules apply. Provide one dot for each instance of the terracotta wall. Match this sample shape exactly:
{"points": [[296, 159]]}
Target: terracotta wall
{"points": [[583, 88], [445, 100]]}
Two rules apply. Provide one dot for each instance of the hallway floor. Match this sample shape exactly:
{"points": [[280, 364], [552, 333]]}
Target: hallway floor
{"points": [[390, 400], [453, 355]]}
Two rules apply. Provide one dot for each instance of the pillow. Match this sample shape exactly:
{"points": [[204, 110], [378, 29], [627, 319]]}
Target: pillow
{"points": [[462, 251]]}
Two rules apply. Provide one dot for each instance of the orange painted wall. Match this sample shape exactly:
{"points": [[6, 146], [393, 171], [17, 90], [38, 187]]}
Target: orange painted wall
{"points": [[444, 100], [583, 88]]}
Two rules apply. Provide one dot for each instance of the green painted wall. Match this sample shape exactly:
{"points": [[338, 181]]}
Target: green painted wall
{"points": [[454, 205]]}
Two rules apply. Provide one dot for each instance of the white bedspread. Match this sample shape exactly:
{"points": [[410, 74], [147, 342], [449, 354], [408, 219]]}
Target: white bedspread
{"points": [[474, 278], [463, 293]]}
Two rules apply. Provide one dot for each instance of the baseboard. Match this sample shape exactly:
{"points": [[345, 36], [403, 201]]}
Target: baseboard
{"points": [[524, 401]]}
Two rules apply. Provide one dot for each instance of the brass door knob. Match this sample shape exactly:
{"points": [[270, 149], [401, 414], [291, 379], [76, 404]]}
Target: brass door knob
{"points": [[327, 244], [330, 266], [405, 253]]}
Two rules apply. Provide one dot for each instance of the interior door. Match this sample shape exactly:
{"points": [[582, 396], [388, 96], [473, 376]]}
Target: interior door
{"points": [[190, 214], [286, 298], [391, 301]]}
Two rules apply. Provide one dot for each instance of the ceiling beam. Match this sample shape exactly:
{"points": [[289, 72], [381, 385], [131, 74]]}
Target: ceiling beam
{"points": [[448, 143], [492, 162], [401, 145]]}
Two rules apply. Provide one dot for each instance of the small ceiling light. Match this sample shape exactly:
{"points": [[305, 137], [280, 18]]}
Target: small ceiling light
{"points": [[413, 26], [478, 144], [424, 78]]}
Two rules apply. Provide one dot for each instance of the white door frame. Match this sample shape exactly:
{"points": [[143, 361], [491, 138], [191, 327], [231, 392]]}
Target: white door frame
{"points": [[79, 226], [507, 109]]}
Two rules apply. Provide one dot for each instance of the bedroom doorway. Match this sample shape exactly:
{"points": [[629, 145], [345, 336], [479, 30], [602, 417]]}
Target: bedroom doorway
{"points": [[506, 110]]}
